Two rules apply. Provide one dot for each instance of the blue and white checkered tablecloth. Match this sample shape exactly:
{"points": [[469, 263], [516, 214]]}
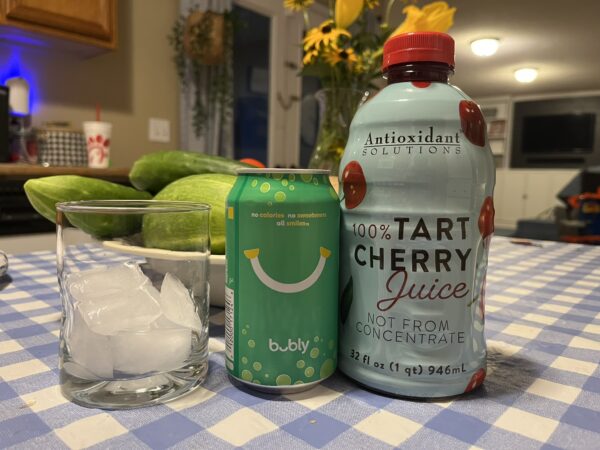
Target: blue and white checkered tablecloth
{"points": [[542, 390]]}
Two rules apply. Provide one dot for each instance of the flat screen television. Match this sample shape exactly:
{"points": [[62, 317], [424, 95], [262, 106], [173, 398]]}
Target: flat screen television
{"points": [[556, 133]]}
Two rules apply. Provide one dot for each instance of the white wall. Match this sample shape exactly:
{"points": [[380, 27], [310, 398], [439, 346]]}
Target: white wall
{"points": [[133, 83]]}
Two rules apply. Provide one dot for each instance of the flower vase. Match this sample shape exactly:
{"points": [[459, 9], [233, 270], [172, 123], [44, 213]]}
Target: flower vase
{"points": [[336, 110]]}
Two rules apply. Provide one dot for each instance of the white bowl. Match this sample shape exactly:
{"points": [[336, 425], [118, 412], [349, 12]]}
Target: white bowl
{"points": [[216, 279], [216, 269]]}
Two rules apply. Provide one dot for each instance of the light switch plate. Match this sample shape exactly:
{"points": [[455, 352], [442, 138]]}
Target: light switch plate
{"points": [[159, 130]]}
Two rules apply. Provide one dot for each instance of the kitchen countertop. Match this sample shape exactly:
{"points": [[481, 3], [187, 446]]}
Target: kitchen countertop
{"points": [[542, 389], [24, 171]]}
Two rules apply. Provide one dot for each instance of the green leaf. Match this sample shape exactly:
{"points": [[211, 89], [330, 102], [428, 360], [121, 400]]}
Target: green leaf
{"points": [[319, 69]]}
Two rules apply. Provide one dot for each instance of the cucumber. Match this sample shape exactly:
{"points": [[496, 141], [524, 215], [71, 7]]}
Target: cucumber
{"points": [[175, 231], [154, 171], [44, 193]]}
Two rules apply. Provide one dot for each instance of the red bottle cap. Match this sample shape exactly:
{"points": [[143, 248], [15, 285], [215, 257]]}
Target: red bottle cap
{"points": [[424, 46]]}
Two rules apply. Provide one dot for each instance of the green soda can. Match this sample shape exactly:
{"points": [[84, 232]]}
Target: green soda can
{"points": [[281, 306]]}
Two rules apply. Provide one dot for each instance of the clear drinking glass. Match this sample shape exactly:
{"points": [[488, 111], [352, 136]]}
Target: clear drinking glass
{"points": [[133, 279]]}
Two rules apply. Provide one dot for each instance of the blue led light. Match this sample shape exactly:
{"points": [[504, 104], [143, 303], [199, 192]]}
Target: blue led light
{"points": [[13, 67]]}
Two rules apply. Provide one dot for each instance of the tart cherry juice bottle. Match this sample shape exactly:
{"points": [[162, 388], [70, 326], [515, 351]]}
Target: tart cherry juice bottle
{"points": [[417, 180]]}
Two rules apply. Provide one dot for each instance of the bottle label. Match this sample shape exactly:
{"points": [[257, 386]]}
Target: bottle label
{"points": [[413, 304]]}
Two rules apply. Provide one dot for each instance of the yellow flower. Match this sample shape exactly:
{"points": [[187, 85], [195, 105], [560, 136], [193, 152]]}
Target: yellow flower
{"points": [[341, 55], [371, 4], [324, 35], [366, 62], [309, 55], [436, 16], [297, 5], [347, 11]]}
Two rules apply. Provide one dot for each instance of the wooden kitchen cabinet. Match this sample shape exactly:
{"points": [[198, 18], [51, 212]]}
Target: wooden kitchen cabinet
{"points": [[83, 23]]}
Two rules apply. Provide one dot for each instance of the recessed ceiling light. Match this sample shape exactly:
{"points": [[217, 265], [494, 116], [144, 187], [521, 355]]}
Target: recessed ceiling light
{"points": [[485, 47], [526, 75]]}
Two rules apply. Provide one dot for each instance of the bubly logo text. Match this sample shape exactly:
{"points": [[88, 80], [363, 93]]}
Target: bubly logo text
{"points": [[293, 345]]}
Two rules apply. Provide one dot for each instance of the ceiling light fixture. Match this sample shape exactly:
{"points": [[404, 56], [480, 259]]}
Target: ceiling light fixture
{"points": [[485, 47], [526, 75]]}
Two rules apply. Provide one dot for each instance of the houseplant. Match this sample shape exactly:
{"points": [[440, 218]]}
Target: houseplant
{"points": [[201, 40], [345, 53]]}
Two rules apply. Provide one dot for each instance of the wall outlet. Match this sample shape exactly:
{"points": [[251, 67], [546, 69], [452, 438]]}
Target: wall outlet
{"points": [[159, 130]]}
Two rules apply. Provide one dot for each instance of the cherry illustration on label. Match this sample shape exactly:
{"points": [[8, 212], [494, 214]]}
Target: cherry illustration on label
{"points": [[476, 380], [421, 84], [486, 218], [472, 122], [354, 184]]}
